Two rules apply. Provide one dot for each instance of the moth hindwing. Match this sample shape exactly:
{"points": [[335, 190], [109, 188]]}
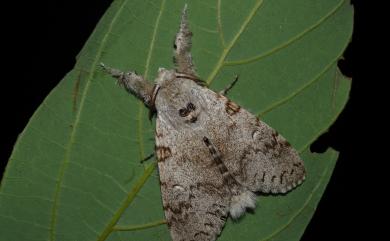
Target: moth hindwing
{"points": [[212, 154]]}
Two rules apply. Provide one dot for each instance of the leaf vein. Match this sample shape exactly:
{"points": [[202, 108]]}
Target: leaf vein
{"points": [[26, 197], [130, 197], [140, 226], [296, 92], [288, 42], [24, 221], [71, 141], [228, 48], [89, 227], [103, 175], [91, 194], [146, 73], [219, 24]]}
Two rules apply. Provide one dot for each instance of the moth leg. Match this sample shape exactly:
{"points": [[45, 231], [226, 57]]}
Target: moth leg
{"points": [[133, 83], [227, 88], [147, 158], [182, 47]]}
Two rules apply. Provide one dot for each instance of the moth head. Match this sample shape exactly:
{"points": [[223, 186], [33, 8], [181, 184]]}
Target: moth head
{"points": [[177, 101], [165, 76]]}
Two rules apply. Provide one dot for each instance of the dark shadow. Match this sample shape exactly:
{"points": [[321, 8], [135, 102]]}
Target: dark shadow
{"points": [[340, 213], [42, 40]]}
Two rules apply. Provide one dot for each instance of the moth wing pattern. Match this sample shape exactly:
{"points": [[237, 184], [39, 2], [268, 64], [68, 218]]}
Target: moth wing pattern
{"points": [[195, 199], [212, 154], [256, 155]]}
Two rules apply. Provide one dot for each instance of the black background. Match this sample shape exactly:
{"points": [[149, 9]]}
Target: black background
{"points": [[42, 39]]}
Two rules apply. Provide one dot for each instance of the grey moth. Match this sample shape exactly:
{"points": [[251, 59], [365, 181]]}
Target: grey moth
{"points": [[213, 155]]}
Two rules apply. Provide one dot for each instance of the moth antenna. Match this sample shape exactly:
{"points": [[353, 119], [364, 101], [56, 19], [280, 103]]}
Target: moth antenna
{"points": [[133, 83], [182, 47]]}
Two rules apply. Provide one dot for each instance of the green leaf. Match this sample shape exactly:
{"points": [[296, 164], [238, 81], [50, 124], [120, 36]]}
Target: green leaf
{"points": [[75, 171]]}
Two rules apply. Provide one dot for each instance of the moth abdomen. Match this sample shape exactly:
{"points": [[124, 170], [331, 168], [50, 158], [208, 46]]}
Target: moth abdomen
{"points": [[239, 203]]}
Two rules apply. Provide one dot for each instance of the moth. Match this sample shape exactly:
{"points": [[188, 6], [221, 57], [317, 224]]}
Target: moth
{"points": [[213, 155]]}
